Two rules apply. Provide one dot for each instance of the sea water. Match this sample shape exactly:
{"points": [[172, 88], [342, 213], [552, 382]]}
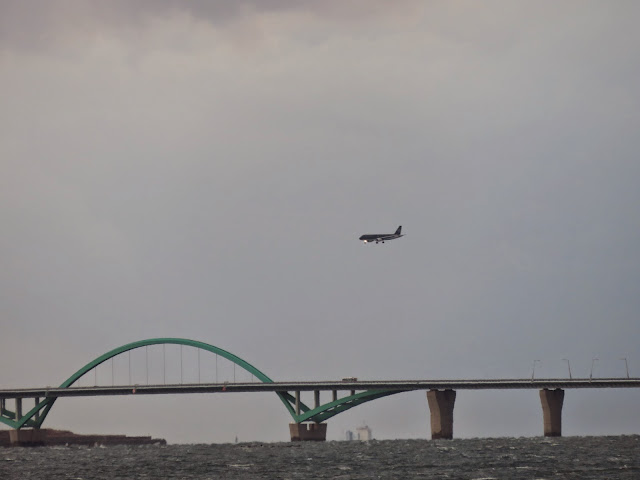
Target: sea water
{"points": [[615, 457]]}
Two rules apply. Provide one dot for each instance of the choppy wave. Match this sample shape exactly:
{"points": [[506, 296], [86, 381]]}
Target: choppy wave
{"points": [[477, 459]]}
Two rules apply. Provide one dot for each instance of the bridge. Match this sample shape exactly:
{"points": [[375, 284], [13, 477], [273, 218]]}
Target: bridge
{"points": [[308, 422]]}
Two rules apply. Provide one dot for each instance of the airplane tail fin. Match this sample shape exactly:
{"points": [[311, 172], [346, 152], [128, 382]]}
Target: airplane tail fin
{"points": [[399, 230]]}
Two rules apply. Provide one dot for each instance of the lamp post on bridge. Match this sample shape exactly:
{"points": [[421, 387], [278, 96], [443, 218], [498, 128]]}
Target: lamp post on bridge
{"points": [[568, 365], [626, 365], [533, 369]]}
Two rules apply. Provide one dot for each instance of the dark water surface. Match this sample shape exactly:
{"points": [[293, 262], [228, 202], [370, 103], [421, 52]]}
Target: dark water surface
{"points": [[504, 458]]}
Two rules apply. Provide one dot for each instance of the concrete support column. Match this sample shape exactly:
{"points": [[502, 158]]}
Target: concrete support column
{"points": [[552, 401], [37, 415], [27, 437], [298, 402], [308, 432], [335, 395], [441, 406], [18, 409], [316, 398]]}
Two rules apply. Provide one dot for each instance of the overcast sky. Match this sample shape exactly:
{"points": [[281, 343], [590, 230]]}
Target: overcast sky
{"points": [[204, 169]]}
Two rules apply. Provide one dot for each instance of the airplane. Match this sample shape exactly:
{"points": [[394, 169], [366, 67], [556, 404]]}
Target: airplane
{"points": [[369, 237]]}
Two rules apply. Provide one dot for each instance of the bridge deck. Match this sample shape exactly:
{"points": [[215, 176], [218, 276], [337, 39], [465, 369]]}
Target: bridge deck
{"points": [[392, 385]]}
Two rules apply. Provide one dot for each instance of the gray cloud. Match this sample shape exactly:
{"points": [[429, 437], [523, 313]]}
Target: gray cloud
{"points": [[67, 22]]}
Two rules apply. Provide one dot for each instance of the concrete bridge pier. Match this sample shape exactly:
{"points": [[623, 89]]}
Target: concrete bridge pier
{"points": [[441, 406], [27, 437], [552, 411], [305, 432]]}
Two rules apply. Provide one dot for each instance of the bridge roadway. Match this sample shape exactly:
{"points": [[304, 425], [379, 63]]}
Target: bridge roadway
{"points": [[390, 385]]}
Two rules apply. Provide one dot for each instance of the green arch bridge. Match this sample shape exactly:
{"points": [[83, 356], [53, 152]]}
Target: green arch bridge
{"points": [[299, 411]]}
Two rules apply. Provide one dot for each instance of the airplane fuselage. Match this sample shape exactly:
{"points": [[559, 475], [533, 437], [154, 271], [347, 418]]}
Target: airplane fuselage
{"points": [[381, 237]]}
